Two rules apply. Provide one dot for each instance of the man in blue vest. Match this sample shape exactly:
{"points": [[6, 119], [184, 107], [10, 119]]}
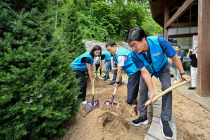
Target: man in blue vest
{"points": [[150, 56], [122, 58]]}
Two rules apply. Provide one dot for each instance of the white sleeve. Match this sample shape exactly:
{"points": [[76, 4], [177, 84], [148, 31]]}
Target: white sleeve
{"points": [[121, 60]]}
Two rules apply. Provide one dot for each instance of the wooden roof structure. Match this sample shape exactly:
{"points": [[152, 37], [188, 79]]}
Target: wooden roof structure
{"points": [[188, 13]]}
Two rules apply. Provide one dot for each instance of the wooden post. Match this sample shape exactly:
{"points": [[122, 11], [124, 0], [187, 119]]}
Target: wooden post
{"points": [[166, 18], [203, 88]]}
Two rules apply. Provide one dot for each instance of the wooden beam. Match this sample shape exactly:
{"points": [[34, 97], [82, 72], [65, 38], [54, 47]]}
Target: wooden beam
{"points": [[203, 81], [166, 18], [182, 35], [181, 11], [154, 0], [181, 25]]}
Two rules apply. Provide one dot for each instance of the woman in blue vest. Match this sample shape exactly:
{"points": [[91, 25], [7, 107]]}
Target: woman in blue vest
{"points": [[122, 58], [150, 56], [80, 64], [107, 57]]}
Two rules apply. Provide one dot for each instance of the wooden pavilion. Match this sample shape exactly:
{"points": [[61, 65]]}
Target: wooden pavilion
{"points": [[183, 19]]}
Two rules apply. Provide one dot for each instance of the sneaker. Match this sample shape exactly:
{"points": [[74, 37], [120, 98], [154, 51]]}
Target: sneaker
{"points": [[84, 102], [134, 102], [106, 78], [120, 84], [140, 121], [110, 84], [191, 88], [166, 131], [174, 82]]}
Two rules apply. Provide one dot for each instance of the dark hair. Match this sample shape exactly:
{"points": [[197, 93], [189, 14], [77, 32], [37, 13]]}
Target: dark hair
{"points": [[135, 34], [95, 48], [177, 46], [110, 43]]}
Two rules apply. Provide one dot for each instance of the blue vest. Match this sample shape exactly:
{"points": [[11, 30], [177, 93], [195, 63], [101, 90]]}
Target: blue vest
{"points": [[129, 67], [158, 57], [107, 55], [78, 65]]}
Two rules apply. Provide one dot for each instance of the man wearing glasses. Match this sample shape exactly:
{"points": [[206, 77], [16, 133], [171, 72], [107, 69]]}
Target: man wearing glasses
{"points": [[150, 56]]}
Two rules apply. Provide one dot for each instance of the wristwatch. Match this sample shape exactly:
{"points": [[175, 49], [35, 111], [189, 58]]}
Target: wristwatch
{"points": [[117, 82], [184, 73]]}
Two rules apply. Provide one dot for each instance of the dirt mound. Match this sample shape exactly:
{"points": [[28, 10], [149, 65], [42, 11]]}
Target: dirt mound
{"points": [[107, 122], [112, 123]]}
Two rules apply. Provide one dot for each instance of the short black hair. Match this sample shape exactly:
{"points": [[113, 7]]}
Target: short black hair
{"points": [[135, 34], [110, 43], [95, 48], [177, 46]]}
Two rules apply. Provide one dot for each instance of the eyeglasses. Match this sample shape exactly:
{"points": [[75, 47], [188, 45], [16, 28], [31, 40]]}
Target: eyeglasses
{"points": [[134, 46]]}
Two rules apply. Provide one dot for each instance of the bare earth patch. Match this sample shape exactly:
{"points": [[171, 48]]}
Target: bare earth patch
{"points": [[106, 122]]}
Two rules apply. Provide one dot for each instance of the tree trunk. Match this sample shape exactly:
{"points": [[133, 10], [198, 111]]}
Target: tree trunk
{"points": [[56, 15]]}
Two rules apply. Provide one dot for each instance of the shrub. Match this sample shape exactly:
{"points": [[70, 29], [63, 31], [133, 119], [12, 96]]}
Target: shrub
{"points": [[38, 88]]}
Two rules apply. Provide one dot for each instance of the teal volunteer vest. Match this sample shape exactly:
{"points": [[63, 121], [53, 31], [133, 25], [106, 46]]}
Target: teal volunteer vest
{"points": [[77, 65], [129, 67], [158, 57]]}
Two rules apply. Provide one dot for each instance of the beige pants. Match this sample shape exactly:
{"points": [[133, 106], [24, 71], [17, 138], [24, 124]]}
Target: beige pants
{"points": [[193, 71], [176, 73]]}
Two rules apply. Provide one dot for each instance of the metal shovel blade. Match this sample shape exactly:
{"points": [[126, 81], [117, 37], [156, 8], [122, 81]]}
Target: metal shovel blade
{"points": [[92, 105], [110, 103]]}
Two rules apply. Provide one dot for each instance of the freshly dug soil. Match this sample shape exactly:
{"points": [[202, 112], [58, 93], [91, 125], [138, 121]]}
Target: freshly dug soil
{"points": [[107, 122]]}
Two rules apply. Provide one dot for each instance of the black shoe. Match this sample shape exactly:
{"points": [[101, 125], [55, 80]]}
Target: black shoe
{"points": [[120, 84], [140, 121], [106, 78], [191, 88], [166, 131], [110, 84]]}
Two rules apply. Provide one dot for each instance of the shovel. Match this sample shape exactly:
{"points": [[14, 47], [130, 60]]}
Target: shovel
{"points": [[93, 103], [111, 103], [160, 95]]}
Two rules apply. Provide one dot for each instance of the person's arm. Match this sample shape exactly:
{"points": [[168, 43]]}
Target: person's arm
{"points": [[119, 72], [148, 80], [188, 54], [112, 63], [89, 73]]}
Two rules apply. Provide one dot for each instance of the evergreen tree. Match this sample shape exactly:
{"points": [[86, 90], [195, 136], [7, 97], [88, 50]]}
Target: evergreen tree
{"points": [[71, 33], [38, 88]]}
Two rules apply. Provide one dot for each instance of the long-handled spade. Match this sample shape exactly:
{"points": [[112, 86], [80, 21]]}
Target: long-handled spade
{"points": [[159, 95], [93, 103], [111, 103]]}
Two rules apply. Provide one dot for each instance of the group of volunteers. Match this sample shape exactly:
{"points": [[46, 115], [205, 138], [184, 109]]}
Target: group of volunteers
{"points": [[148, 58]]}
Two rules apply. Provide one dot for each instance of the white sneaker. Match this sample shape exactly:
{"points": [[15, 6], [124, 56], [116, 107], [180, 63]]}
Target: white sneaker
{"points": [[84, 102], [174, 82]]}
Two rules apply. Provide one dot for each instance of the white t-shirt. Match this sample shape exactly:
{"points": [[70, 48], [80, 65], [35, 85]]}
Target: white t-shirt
{"points": [[121, 59]]}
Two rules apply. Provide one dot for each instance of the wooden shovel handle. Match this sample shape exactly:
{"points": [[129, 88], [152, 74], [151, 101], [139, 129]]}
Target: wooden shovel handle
{"points": [[93, 85], [166, 91]]}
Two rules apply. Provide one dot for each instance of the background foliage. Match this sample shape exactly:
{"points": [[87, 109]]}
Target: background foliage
{"points": [[105, 20]]}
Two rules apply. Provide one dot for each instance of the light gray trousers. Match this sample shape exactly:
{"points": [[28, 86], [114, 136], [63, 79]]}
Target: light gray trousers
{"points": [[165, 79]]}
